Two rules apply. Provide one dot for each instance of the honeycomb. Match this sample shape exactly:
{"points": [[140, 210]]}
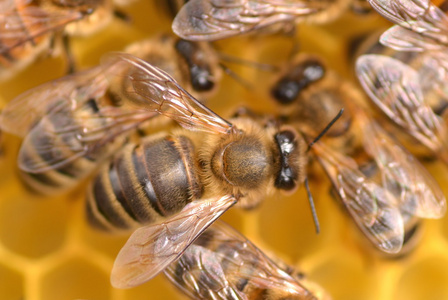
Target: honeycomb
{"points": [[48, 252]]}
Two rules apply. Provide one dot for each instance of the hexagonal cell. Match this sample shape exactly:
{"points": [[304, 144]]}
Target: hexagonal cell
{"points": [[76, 278], [287, 225], [344, 275], [426, 279], [11, 283], [30, 227], [106, 242]]}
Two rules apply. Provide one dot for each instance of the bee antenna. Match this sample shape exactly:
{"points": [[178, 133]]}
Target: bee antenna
{"points": [[237, 77], [253, 64], [325, 129], [313, 208]]}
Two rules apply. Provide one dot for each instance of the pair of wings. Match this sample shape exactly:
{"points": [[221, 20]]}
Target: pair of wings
{"points": [[378, 208], [209, 20], [21, 21], [212, 266], [399, 90], [143, 91], [421, 25]]}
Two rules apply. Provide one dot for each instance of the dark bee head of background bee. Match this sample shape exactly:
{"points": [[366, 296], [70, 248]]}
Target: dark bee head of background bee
{"points": [[300, 76], [200, 71]]}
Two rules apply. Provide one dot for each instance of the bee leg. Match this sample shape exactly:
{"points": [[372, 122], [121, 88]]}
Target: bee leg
{"points": [[248, 85], [253, 64], [68, 54], [295, 47]]}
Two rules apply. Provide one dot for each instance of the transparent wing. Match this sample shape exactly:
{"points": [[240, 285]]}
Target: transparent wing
{"points": [[19, 25], [218, 19], [373, 208], [417, 192], [400, 11], [421, 17], [395, 89], [65, 119], [151, 248], [70, 92], [144, 86], [403, 39], [7, 5], [220, 260], [64, 136]]}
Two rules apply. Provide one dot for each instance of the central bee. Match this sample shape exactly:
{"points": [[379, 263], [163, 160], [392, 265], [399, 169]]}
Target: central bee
{"points": [[180, 182]]}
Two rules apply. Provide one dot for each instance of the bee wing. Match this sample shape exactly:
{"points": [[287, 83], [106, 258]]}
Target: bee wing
{"points": [[402, 39], [421, 17], [7, 5], [22, 23], [151, 248], [71, 91], [395, 89], [65, 119], [60, 138], [142, 85], [217, 19], [220, 259], [403, 175], [373, 207]]}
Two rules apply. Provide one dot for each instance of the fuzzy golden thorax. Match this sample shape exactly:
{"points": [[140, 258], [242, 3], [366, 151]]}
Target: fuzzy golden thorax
{"points": [[245, 163]]}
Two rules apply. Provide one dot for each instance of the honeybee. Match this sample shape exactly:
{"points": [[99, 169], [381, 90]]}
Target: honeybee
{"points": [[383, 187], [30, 28], [421, 27], [221, 264], [403, 95], [212, 20], [71, 124], [181, 182], [410, 87], [194, 65]]}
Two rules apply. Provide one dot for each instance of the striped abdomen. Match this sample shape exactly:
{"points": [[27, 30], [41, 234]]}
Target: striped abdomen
{"points": [[25, 41], [56, 138], [144, 183], [221, 264]]}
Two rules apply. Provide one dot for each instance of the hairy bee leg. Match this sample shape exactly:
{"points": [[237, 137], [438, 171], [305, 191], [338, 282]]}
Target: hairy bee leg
{"points": [[70, 59]]}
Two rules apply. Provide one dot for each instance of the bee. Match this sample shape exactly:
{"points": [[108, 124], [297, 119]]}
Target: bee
{"points": [[222, 264], [422, 28], [31, 28], [172, 186], [241, 159], [214, 20], [70, 125], [410, 86], [408, 98], [383, 187], [194, 65]]}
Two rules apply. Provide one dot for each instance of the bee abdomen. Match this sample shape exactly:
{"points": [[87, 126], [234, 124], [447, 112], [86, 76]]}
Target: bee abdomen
{"points": [[60, 155], [144, 183]]}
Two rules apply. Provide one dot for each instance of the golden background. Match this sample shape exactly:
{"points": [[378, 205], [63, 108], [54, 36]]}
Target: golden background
{"points": [[48, 252]]}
